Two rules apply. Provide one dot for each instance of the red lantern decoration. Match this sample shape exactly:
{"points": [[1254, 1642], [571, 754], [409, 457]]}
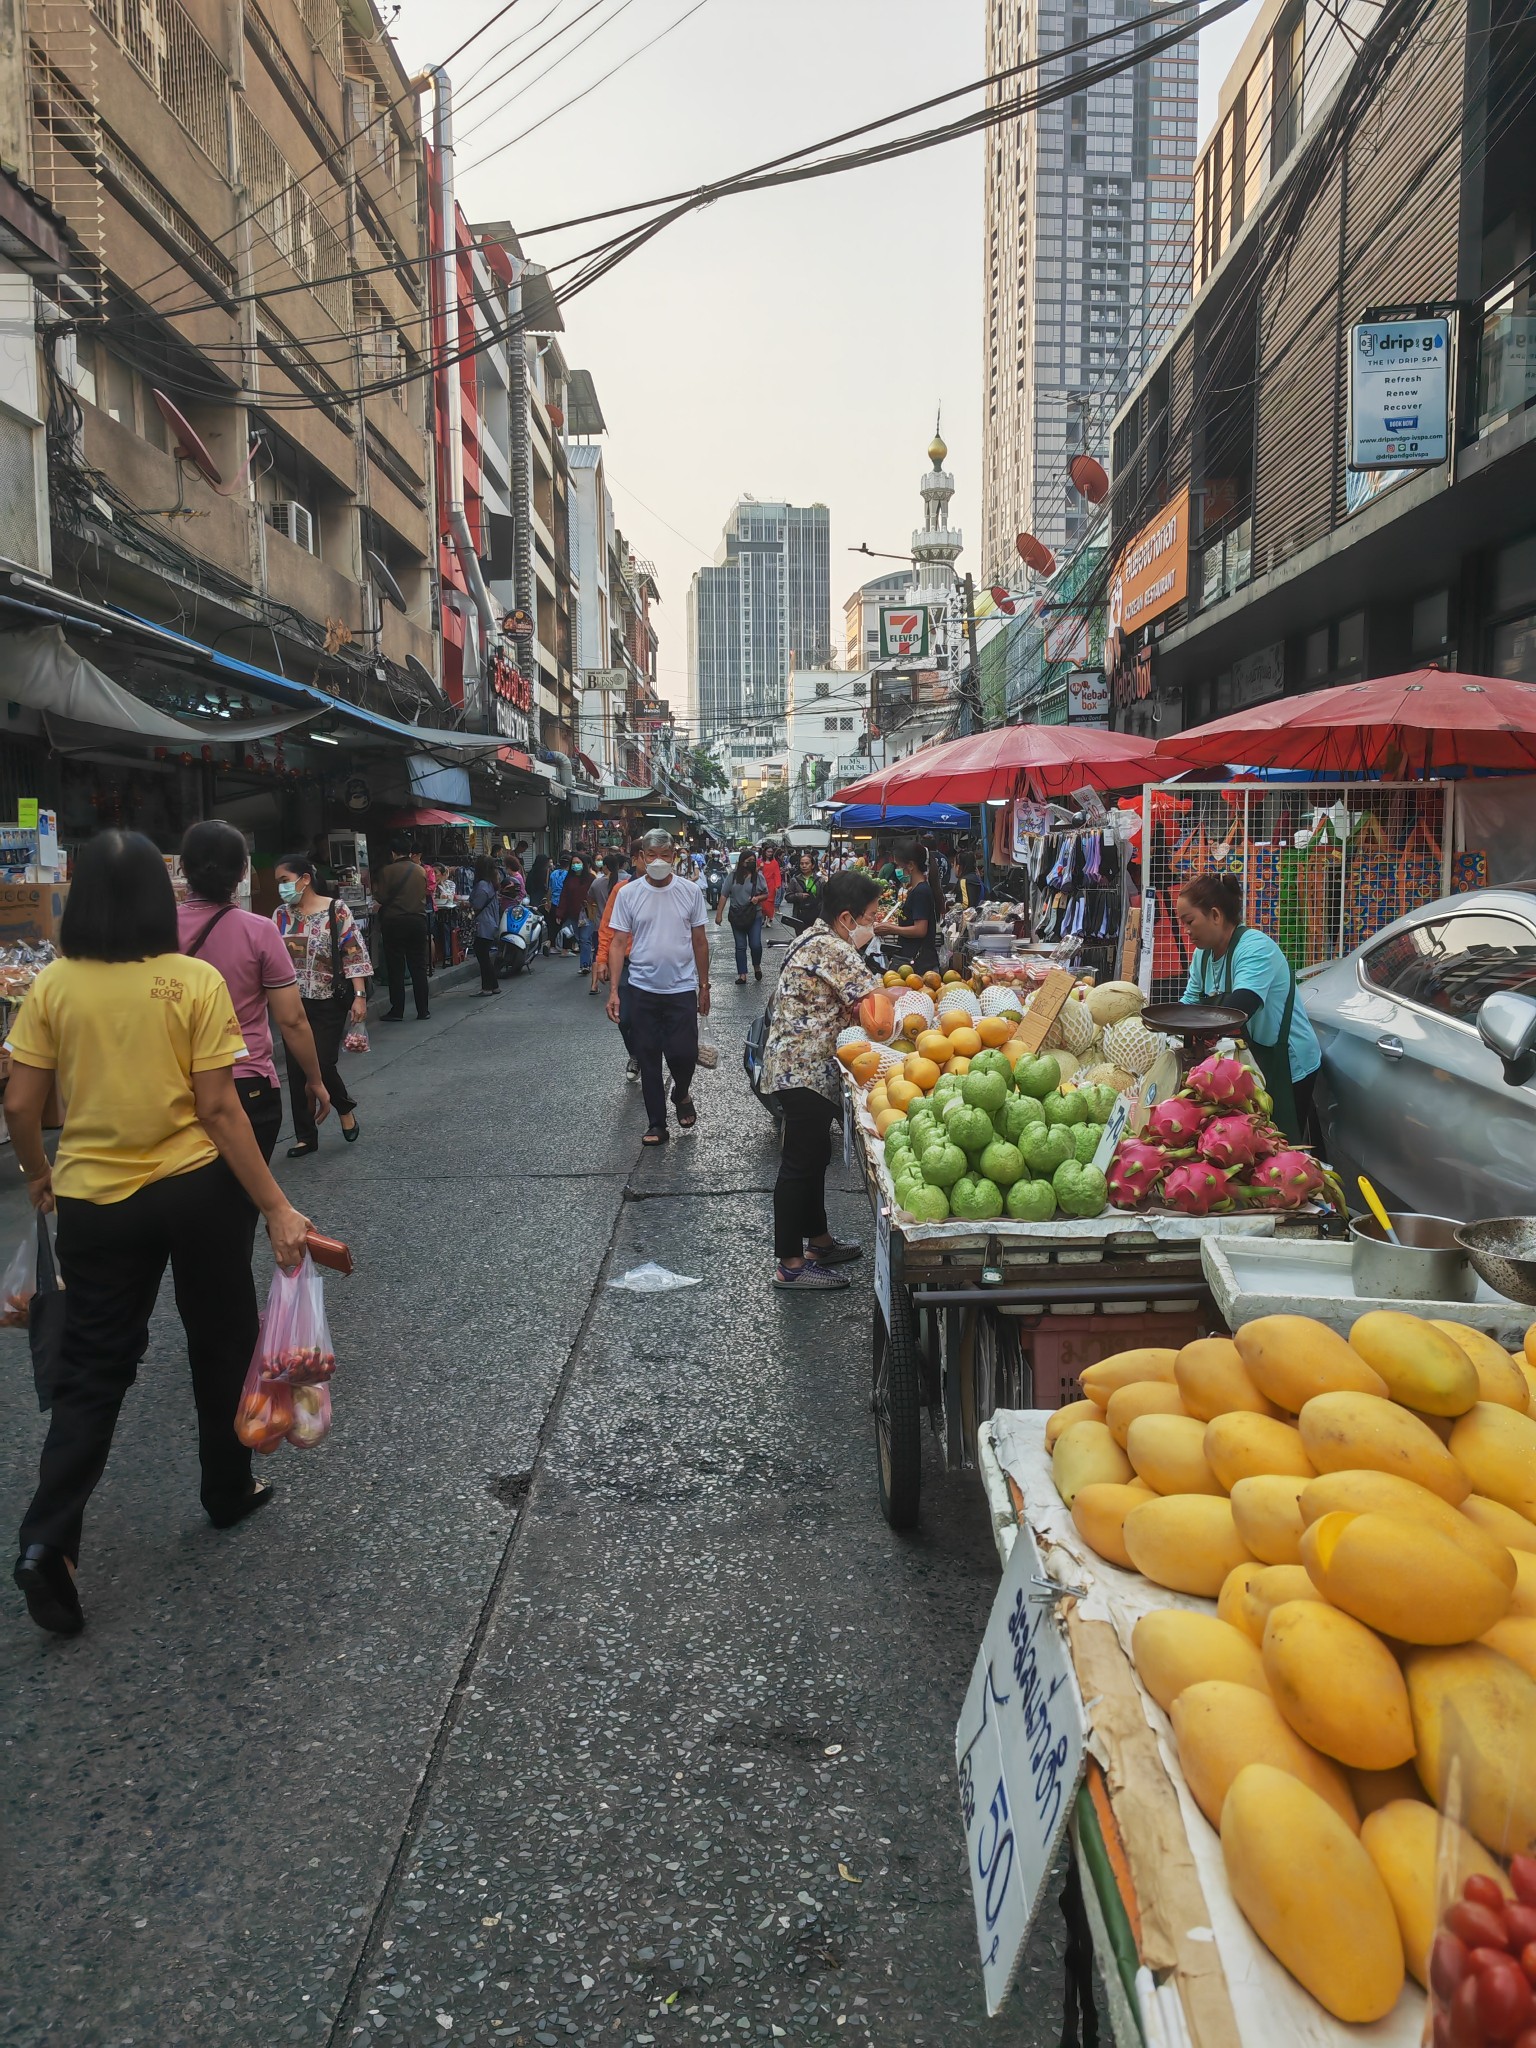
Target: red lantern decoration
{"points": [[1089, 478], [1034, 554]]}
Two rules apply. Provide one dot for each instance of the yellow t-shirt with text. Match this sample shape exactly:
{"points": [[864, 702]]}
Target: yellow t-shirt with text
{"points": [[125, 1038]]}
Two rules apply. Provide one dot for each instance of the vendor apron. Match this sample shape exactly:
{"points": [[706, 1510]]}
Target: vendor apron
{"points": [[1274, 1061]]}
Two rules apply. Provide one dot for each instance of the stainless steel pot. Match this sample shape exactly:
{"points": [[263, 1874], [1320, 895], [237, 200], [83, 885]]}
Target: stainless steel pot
{"points": [[1427, 1265]]}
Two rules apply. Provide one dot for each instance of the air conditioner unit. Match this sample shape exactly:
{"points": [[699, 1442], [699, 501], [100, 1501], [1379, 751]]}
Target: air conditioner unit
{"points": [[294, 522]]}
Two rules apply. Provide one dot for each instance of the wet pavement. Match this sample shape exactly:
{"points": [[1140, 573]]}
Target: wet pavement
{"points": [[575, 1690]]}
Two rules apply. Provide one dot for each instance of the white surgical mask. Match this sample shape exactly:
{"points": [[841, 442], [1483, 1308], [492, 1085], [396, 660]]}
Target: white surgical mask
{"points": [[860, 935], [289, 891], [658, 870]]}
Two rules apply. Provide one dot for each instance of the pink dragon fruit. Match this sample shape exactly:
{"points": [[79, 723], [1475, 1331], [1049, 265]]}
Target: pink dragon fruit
{"points": [[1134, 1172], [1235, 1141], [1176, 1121], [1290, 1175], [1224, 1080], [1195, 1188]]}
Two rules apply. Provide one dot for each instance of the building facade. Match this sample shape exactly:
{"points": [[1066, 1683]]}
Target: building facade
{"points": [[1088, 218], [762, 607]]}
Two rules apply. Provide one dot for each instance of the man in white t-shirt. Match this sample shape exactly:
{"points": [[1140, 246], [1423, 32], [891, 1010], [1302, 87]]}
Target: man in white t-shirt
{"points": [[658, 928]]}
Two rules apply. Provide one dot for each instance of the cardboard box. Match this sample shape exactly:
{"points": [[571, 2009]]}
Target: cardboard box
{"points": [[30, 912]]}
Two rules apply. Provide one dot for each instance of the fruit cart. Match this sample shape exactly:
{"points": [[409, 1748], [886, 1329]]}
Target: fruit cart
{"points": [[969, 1317]]}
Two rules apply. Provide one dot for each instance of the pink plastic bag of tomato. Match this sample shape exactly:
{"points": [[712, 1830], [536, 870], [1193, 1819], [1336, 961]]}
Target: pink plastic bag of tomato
{"points": [[295, 1347]]}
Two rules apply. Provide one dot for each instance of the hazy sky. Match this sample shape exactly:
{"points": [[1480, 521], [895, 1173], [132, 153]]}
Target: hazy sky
{"points": [[794, 344]]}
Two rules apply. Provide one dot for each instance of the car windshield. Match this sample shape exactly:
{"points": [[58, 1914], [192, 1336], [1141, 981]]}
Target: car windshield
{"points": [[1452, 964]]}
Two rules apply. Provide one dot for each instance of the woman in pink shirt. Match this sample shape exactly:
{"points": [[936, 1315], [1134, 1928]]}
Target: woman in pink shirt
{"points": [[260, 975]]}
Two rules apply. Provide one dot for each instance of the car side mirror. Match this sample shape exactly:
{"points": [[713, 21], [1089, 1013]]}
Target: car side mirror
{"points": [[1507, 1025]]}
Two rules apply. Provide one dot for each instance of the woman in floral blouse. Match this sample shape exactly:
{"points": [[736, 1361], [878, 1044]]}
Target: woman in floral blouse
{"points": [[821, 984], [327, 953]]}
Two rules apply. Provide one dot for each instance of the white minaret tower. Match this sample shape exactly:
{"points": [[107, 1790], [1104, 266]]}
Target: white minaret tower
{"points": [[936, 544]]}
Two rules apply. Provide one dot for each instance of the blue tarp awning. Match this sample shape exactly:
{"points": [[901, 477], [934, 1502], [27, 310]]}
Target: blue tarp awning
{"points": [[903, 818]]}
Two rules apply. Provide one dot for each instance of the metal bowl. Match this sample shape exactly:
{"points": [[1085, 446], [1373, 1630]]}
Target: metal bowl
{"points": [[1426, 1264], [1193, 1020], [1503, 1251]]}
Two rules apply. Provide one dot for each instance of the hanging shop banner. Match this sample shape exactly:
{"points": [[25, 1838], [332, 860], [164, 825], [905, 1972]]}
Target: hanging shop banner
{"points": [[1399, 393], [1152, 575], [903, 631], [1020, 1749], [1066, 638], [1087, 697]]}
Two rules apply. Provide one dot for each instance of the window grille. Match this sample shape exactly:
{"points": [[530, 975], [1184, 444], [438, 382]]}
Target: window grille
{"points": [[179, 63]]}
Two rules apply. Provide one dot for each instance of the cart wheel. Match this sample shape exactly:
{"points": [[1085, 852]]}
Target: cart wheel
{"points": [[897, 1401]]}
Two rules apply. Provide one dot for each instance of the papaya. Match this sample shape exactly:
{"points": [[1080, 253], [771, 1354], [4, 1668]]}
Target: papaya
{"points": [[1496, 1448], [1220, 1727], [1213, 1380], [1087, 1455], [1267, 1513], [1099, 1512], [1338, 1685], [1141, 1397], [1167, 1453], [1063, 1418], [1472, 1705], [1311, 1893], [1292, 1358], [1503, 1524], [1124, 1369], [1174, 1647], [1423, 1368], [1273, 1587], [1187, 1541], [1375, 1789], [1368, 1492], [1344, 1431], [1499, 1379], [1233, 1587], [1406, 1840], [1243, 1446], [1410, 1581], [1515, 1638]]}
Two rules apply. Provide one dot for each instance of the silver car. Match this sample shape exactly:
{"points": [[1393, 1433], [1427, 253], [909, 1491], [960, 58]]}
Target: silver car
{"points": [[1409, 1093]]}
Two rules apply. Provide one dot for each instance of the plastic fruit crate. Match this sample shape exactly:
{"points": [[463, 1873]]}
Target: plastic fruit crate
{"points": [[1060, 1346]]}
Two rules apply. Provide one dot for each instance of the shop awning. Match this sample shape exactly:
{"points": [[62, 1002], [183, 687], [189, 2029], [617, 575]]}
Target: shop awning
{"points": [[41, 670], [429, 814]]}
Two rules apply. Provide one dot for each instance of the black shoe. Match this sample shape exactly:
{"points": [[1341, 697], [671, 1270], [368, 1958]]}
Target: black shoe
{"points": [[258, 1497], [45, 1579], [833, 1254], [758, 972], [422, 1016], [301, 1151], [351, 1137], [393, 1017]]}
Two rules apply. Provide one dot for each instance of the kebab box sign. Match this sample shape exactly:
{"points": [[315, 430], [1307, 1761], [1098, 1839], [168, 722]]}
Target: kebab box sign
{"points": [[1020, 1750]]}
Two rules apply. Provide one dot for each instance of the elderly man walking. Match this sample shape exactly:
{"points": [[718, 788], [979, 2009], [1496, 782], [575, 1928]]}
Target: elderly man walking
{"points": [[658, 927]]}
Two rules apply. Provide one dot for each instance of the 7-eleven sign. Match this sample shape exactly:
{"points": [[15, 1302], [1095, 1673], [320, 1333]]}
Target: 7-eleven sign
{"points": [[903, 631]]}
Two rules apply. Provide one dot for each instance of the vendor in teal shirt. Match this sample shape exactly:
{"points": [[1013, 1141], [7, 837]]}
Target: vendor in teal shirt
{"points": [[1241, 968]]}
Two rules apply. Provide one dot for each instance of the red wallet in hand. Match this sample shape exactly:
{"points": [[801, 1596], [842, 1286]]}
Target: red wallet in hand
{"points": [[328, 1251]]}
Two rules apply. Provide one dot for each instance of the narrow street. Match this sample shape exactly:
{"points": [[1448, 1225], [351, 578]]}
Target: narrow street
{"points": [[575, 1690]]}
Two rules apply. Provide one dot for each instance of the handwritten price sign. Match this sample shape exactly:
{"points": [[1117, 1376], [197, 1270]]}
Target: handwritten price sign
{"points": [[1019, 1751]]}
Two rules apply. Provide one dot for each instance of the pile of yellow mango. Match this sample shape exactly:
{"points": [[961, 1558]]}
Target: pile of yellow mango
{"points": [[1363, 1514]]}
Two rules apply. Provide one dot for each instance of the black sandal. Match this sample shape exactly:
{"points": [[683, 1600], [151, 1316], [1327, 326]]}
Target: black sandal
{"points": [[656, 1135], [687, 1115]]}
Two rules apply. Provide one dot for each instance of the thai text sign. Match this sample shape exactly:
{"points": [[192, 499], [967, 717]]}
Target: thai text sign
{"points": [[1399, 390], [903, 631], [1020, 1747], [1152, 575]]}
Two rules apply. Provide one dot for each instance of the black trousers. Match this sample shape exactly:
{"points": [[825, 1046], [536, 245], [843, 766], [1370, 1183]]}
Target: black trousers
{"points": [[800, 1192], [486, 951], [663, 1028], [112, 1256], [405, 948], [328, 1020], [262, 1101]]}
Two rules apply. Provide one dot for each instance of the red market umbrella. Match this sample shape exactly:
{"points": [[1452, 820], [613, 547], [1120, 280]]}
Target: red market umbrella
{"points": [[1015, 760], [1421, 723]]}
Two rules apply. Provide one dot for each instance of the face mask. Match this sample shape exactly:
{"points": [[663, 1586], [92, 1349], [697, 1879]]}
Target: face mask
{"points": [[860, 936], [576, 868], [289, 891], [658, 870]]}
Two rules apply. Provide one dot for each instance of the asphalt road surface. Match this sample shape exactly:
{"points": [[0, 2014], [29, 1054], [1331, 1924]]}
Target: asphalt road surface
{"points": [[575, 1690]]}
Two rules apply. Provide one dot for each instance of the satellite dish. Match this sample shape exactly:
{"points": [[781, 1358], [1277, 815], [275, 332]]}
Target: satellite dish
{"points": [[381, 575], [1034, 554], [420, 673], [1089, 478], [1003, 599], [190, 446]]}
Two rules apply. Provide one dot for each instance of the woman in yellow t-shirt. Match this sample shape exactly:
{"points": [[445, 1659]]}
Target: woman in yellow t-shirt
{"points": [[156, 1163]]}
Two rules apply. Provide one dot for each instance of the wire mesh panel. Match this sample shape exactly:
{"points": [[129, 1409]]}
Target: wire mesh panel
{"points": [[1322, 865]]}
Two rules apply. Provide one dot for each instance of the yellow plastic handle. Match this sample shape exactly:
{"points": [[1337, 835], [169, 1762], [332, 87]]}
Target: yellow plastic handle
{"points": [[1374, 1204]]}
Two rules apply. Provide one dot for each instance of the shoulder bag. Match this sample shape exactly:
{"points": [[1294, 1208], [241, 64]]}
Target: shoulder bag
{"points": [[201, 940]]}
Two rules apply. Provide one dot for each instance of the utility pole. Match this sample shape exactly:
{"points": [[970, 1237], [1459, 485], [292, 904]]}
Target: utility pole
{"points": [[970, 696]]}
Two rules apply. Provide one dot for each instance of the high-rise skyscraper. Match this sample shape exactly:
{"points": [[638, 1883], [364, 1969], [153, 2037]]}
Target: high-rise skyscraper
{"points": [[1089, 223], [764, 603]]}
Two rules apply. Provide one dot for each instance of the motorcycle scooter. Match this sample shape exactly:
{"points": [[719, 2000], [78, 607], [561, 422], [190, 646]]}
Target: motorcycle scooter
{"points": [[522, 938]]}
